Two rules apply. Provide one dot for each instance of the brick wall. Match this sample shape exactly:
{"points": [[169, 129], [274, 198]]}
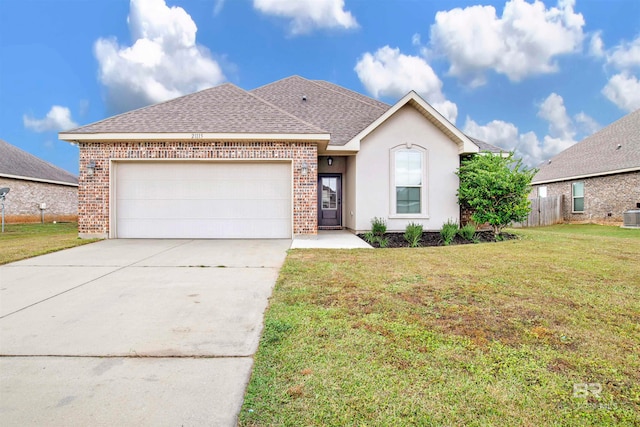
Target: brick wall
{"points": [[93, 196], [613, 194], [22, 204]]}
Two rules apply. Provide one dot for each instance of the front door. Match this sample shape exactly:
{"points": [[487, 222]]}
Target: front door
{"points": [[329, 200]]}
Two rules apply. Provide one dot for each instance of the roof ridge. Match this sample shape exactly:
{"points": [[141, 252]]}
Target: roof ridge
{"points": [[315, 82]]}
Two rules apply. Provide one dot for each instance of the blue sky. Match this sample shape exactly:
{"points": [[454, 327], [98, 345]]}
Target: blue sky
{"points": [[532, 76]]}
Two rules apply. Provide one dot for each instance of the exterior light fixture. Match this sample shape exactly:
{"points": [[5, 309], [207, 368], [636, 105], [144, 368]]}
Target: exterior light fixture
{"points": [[329, 160], [91, 167], [304, 169]]}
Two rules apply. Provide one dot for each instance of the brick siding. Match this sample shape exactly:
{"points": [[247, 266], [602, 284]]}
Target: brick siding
{"points": [[93, 196], [612, 194], [22, 204]]}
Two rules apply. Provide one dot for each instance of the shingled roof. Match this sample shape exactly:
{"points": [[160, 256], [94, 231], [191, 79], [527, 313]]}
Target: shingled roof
{"points": [[341, 112], [221, 109], [614, 149], [485, 146], [18, 164]]}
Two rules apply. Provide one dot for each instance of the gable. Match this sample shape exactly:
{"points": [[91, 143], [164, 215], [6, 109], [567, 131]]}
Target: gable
{"points": [[430, 114]]}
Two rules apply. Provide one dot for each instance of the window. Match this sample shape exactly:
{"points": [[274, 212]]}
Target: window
{"points": [[577, 193], [408, 170]]}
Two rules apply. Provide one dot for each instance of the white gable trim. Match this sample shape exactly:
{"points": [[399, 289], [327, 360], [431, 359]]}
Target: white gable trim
{"points": [[465, 144]]}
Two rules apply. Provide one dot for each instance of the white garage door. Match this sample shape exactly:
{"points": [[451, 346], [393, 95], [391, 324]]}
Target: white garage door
{"points": [[202, 200]]}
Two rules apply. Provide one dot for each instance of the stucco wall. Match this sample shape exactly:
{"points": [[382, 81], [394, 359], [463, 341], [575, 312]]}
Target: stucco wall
{"points": [[612, 194], [22, 204], [373, 180], [94, 191]]}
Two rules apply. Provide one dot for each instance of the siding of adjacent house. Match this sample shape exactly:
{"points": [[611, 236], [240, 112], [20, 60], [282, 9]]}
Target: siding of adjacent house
{"points": [[22, 204], [603, 195]]}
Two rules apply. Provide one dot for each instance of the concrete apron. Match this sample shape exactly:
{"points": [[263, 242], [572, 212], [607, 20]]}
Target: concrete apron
{"points": [[132, 332]]}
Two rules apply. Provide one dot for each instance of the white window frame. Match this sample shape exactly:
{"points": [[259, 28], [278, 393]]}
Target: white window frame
{"points": [[573, 197], [424, 205]]}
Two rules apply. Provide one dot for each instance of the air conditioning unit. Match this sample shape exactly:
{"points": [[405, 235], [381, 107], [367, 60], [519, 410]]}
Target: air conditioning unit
{"points": [[631, 219]]}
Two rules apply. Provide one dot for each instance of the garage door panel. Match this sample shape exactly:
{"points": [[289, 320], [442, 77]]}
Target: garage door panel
{"points": [[196, 228], [203, 200]]}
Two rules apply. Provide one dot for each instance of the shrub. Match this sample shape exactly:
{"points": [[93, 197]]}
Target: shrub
{"points": [[370, 237], [378, 226], [449, 231], [413, 234], [383, 242], [496, 189], [468, 233]]}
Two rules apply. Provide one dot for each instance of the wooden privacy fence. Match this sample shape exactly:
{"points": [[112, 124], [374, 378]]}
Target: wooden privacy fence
{"points": [[544, 211]]}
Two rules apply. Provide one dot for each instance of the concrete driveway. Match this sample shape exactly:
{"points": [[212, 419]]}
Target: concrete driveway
{"points": [[133, 332]]}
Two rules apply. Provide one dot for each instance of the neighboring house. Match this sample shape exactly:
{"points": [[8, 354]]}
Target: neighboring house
{"points": [[599, 177], [36, 184], [284, 159]]}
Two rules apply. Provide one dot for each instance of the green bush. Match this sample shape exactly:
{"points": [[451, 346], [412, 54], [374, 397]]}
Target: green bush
{"points": [[376, 235], [413, 234], [378, 226], [468, 233], [370, 237], [449, 231]]}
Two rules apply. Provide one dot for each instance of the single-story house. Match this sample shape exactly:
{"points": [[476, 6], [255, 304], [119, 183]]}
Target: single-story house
{"points": [[599, 177], [284, 159], [36, 186]]}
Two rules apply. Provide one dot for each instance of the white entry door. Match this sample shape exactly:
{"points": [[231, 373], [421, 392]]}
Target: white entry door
{"points": [[222, 200]]}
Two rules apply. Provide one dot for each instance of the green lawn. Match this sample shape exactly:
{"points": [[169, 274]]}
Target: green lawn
{"points": [[20, 241], [474, 335]]}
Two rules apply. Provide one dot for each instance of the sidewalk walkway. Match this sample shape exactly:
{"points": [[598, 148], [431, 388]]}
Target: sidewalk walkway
{"points": [[330, 239]]}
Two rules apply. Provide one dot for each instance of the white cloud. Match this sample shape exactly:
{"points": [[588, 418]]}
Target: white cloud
{"points": [[308, 15], [524, 41], [217, 7], [554, 112], [626, 55], [624, 91], [164, 61], [57, 119], [532, 150], [623, 88], [387, 72], [596, 45]]}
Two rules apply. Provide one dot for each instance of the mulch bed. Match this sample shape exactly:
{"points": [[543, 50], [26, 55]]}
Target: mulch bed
{"points": [[433, 238]]}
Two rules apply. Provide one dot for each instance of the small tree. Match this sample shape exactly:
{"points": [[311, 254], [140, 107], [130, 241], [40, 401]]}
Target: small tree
{"points": [[496, 189]]}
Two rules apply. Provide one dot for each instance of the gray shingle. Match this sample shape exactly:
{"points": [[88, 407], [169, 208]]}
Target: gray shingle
{"points": [[485, 146], [343, 113], [14, 161], [221, 109], [598, 153]]}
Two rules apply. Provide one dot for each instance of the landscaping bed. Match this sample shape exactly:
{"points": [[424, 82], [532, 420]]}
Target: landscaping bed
{"points": [[433, 238]]}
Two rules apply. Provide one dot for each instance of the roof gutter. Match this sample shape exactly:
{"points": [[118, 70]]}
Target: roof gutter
{"points": [[591, 175], [192, 136], [47, 181]]}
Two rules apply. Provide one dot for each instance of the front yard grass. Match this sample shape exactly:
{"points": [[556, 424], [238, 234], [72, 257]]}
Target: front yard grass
{"points": [[20, 241], [518, 333]]}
